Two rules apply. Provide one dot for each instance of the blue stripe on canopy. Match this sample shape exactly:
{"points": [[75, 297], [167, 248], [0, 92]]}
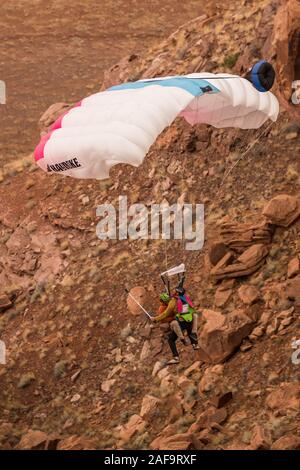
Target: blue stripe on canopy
{"points": [[195, 86]]}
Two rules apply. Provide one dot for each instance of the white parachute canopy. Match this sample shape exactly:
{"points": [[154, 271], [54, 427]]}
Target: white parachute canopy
{"points": [[176, 270], [120, 124]]}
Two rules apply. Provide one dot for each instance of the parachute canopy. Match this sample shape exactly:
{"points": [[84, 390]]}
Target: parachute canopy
{"points": [[120, 124]]}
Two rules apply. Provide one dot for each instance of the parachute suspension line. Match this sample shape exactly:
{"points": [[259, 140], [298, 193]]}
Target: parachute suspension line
{"points": [[184, 255], [182, 243], [250, 146], [166, 255], [182, 226]]}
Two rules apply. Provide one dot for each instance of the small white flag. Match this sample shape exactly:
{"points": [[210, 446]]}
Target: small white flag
{"points": [[176, 270]]}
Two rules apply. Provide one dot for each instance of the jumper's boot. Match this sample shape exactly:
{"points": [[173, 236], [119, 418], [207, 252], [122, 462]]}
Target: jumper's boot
{"points": [[175, 360]]}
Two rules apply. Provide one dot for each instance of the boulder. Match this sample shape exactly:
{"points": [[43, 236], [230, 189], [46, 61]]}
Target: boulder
{"points": [[288, 442], [156, 346], [134, 425], [33, 440], [221, 334], [107, 384], [248, 294], [5, 302], [6, 429], [158, 366], [222, 296], [37, 440], [261, 438], [257, 333], [216, 252], [236, 445], [175, 442], [286, 397], [286, 314], [227, 259], [149, 406], [282, 44], [273, 327], [253, 311], [176, 407], [184, 383], [220, 398], [265, 318], [146, 350], [213, 319], [166, 385], [76, 443], [292, 291], [253, 255], [212, 377], [227, 284], [239, 236], [208, 418], [282, 210], [51, 114], [247, 263], [140, 294], [195, 367], [293, 267]]}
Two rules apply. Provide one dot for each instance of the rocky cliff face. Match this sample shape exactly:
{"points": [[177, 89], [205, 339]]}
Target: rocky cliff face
{"points": [[84, 373]]}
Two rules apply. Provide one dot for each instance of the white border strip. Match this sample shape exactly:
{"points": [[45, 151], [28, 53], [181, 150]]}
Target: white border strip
{"points": [[2, 92]]}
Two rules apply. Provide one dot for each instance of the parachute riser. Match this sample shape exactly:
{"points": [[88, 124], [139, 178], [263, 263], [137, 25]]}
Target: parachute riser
{"points": [[166, 284], [181, 280]]}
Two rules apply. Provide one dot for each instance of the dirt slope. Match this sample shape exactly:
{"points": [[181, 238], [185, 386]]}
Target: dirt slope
{"points": [[51, 52]]}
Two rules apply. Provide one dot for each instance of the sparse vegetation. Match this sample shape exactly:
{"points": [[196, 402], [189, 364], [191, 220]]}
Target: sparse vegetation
{"points": [[26, 380], [60, 368]]}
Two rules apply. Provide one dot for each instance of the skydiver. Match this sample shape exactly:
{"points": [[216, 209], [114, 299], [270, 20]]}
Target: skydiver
{"points": [[180, 313], [184, 306]]}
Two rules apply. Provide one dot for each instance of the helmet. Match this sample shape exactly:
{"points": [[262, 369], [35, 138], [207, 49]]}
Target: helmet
{"points": [[180, 290], [164, 297]]}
